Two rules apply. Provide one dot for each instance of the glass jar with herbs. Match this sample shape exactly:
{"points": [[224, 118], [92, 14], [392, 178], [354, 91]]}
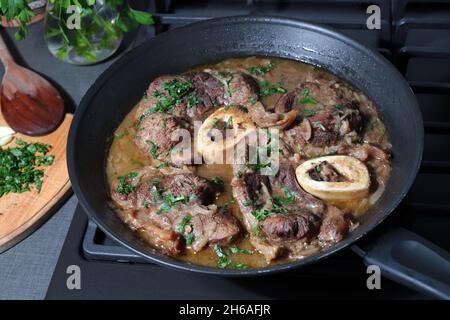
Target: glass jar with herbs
{"points": [[88, 31]]}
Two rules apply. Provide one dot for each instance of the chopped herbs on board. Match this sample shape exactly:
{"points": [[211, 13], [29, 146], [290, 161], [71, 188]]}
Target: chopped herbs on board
{"points": [[21, 166]]}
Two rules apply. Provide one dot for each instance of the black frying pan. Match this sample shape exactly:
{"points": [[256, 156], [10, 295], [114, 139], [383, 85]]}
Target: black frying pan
{"points": [[118, 89]]}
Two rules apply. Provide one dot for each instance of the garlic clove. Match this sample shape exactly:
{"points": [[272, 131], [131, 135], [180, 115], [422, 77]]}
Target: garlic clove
{"points": [[355, 176], [6, 135]]}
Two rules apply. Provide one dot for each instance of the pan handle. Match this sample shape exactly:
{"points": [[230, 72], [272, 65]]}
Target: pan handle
{"points": [[411, 260]]}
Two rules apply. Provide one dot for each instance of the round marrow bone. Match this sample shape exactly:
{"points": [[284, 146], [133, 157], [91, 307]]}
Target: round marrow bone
{"points": [[355, 175], [240, 123]]}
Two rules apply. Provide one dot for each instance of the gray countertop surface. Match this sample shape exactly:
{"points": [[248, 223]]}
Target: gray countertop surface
{"points": [[26, 269]]}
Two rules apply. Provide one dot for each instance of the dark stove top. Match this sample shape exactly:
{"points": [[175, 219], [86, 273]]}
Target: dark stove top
{"points": [[415, 37]]}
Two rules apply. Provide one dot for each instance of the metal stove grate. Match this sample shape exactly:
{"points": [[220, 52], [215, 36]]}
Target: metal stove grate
{"points": [[415, 36]]}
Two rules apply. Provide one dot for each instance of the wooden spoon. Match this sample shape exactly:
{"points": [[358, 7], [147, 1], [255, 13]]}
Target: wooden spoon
{"points": [[29, 103]]}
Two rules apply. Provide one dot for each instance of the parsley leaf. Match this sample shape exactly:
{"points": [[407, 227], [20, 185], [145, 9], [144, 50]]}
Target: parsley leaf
{"points": [[261, 69], [219, 181], [267, 89], [125, 185], [153, 149], [307, 99], [180, 226]]}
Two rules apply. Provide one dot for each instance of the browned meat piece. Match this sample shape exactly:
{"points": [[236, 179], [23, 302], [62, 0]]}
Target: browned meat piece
{"points": [[276, 211], [198, 188], [316, 93], [219, 227], [241, 89], [149, 186], [226, 88], [158, 94], [168, 241], [298, 225], [323, 130], [285, 177], [265, 119], [325, 127], [335, 225], [376, 159], [157, 133], [288, 101], [209, 93], [365, 152], [175, 202], [206, 224], [327, 92], [196, 95]]}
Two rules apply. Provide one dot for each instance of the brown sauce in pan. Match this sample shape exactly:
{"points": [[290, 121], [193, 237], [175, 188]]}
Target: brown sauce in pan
{"points": [[124, 156]]}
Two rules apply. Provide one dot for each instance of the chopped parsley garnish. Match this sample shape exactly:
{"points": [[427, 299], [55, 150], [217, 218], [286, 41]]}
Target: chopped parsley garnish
{"points": [[229, 123], [249, 203], [241, 266], [278, 204], [253, 100], [164, 208], [219, 251], [153, 149], [226, 205], [259, 166], [306, 98], [267, 89], [225, 82], [236, 250], [261, 214], [215, 122], [192, 100], [261, 69], [175, 90], [289, 197], [18, 167], [189, 238], [339, 107], [171, 200], [223, 261], [126, 186], [257, 231], [164, 164], [180, 226], [219, 181]]}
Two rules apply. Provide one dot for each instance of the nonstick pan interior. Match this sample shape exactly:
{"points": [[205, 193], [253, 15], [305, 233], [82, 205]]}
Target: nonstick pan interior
{"points": [[120, 87]]}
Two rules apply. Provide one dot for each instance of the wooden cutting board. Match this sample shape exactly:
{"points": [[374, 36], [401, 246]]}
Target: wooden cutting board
{"points": [[21, 214]]}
